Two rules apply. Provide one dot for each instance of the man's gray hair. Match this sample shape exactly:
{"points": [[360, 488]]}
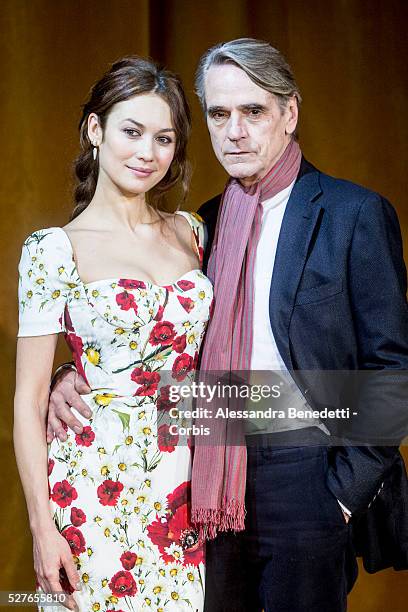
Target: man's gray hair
{"points": [[264, 65]]}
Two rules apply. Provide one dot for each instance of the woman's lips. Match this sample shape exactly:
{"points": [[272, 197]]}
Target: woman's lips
{"points": [[141, 172]]}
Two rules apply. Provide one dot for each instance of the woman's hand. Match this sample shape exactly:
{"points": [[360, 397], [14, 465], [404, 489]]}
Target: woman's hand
{"points": [[51, 553]]}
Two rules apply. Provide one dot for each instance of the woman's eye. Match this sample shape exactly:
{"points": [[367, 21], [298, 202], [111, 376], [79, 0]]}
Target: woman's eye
{"points": [[131, 132], [164, 140]]}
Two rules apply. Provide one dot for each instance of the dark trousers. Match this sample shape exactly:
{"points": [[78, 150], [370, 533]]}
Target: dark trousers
{"points": [[296, 553]]}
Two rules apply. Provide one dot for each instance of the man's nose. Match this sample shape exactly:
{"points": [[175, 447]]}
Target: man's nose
{"points": [[145, 149], [236, 128]]}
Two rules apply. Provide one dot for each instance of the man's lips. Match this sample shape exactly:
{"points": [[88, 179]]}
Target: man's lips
{"points": [[237, 153]]}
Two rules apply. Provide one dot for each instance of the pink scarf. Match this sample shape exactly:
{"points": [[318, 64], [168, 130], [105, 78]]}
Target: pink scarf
{"points": [[219, 466]]}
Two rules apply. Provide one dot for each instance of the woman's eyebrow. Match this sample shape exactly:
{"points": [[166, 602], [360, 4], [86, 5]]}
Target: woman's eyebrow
{"points": [[142, 127]]}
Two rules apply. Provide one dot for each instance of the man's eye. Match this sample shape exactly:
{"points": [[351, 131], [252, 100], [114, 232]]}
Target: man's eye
{"points": [[255, 112], [218, 116]]}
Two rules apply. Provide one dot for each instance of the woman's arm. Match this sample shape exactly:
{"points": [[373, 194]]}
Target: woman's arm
{"points": [[51, 551]]}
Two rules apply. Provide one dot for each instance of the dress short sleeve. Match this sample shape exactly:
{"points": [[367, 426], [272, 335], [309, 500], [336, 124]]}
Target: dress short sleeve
{"points": [[45, 280]]}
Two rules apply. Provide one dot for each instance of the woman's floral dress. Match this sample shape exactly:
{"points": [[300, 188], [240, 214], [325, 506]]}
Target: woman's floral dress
{"points": [[119, 492]]}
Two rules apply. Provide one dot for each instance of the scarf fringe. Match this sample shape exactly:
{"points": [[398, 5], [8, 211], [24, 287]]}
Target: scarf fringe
{"points": [[210, 521]]}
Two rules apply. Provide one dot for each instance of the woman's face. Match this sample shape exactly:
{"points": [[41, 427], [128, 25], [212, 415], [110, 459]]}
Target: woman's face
{"points": [[137, 145]]}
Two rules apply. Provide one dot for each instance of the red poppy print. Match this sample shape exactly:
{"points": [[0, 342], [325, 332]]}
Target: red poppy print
{"points": [[186, 285], [177, 528], [159, 313], [75, 540], [77, 348], [126, 301], [68, 321], [64, 582], [187, 303], [78, 517], [129, 284], [163, 401], [128, 560], [149, 381], [179, 343], [63, 493], [122, 584], [166, 441], [182, 366], [51, 464], [179, 496], [86, 437], [108, 492], [75, 344], [162, 333]]}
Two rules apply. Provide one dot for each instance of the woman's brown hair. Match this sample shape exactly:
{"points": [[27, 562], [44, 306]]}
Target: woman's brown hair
{"points": [[128, 77]]}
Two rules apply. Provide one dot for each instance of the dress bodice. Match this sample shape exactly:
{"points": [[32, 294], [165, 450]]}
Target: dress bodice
{"points": [[124, 334]]}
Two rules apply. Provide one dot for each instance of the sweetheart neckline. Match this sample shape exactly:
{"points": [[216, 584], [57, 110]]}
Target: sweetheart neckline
{"points": [[118, 278], [139, 280]]}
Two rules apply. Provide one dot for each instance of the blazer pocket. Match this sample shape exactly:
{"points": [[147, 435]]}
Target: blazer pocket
{"points": [[321, 292]]}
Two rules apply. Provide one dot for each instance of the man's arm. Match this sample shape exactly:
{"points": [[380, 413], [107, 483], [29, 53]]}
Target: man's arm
{"points": [[377, 285], [66, 387]]}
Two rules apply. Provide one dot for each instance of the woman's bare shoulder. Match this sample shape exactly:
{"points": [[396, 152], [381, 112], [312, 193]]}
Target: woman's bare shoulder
{"points": [[84, 223]]}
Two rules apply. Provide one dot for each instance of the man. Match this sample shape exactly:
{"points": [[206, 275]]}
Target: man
{"points": [[308, 275]]}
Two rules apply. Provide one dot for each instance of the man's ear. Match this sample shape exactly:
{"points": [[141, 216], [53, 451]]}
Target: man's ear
{"points": [[292, 115]]}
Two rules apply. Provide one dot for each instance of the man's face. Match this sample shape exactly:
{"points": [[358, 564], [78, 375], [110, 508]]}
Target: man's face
{"points": [[249, 130]]}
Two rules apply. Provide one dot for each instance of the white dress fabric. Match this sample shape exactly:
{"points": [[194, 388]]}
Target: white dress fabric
{"points": [[120, 491]]}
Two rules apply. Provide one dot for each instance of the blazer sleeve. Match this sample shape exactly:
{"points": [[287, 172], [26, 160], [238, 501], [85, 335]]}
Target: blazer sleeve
{"points": [[377, 289], [209, 212]]}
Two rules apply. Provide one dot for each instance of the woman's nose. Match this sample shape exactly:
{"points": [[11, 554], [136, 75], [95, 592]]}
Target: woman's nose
{"points": [[145, 149]]}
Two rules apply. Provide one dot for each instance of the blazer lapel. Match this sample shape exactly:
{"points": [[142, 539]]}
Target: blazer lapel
{"points": [[298, 224]]}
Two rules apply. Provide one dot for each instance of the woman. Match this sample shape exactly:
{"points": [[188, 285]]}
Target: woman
{"points": [[122, 281]]}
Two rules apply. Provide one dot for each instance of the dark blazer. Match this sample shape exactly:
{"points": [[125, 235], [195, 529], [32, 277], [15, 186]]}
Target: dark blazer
{"points": [[338, 302]]}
